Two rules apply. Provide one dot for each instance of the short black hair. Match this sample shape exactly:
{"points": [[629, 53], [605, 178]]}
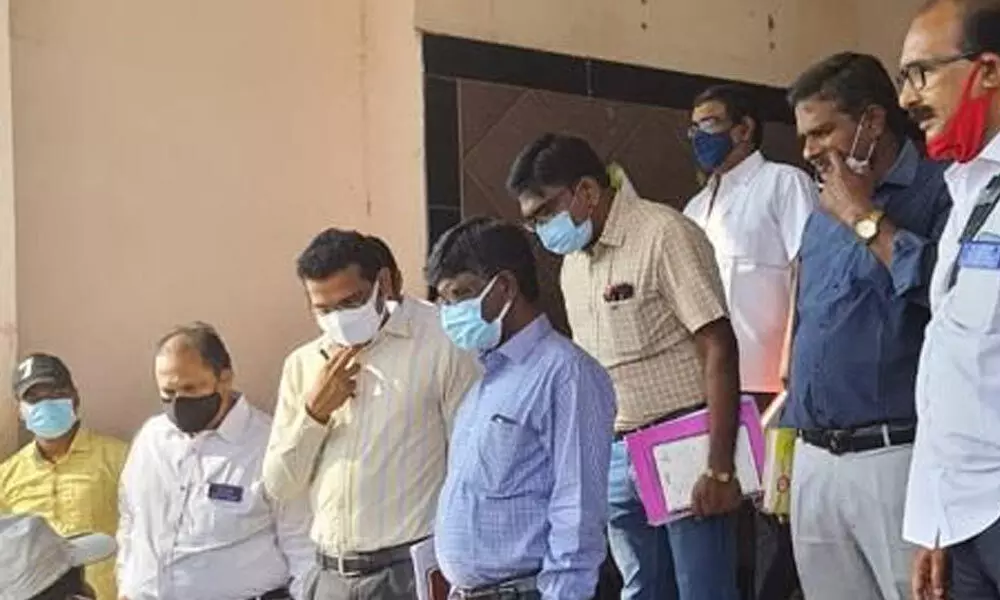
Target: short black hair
{"points": [[70, 584], [739, 103], [854, 82], [385, 253], [484, 247], [334, 250], [555, 160], [205, 340]]}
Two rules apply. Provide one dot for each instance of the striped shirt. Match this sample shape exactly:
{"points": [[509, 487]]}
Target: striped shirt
{"points": [[528, 493], [374, 471]]}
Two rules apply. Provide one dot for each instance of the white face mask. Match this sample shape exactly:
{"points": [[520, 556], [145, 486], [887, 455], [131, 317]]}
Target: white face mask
{"points": [[353, 326], [858, 165]]}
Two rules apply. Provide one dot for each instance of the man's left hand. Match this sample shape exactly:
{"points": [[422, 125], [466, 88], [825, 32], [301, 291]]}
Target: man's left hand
{"points": [[711, 497], [846, 195]]}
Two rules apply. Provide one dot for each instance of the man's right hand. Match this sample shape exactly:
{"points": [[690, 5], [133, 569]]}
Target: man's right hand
{"points": [[929, 578], [335, 383]]}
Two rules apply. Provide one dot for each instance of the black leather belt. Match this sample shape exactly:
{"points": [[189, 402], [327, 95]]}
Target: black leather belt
{"points": [[860, 439], [620, 435], [519, 588], [365, 563], [276, 594]]}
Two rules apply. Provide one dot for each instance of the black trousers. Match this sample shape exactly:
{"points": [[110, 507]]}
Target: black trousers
{"points": [[975, 567], [766, 565]]}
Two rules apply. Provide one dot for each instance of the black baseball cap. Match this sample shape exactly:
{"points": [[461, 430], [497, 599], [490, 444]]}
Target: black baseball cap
{"points": [[38, 369]]}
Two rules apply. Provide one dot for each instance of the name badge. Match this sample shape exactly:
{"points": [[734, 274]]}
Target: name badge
{"points": [[980, 255], [225, 493]]}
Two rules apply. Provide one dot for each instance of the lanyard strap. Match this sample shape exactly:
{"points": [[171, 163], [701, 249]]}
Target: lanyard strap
{"points": [[987, 201]]}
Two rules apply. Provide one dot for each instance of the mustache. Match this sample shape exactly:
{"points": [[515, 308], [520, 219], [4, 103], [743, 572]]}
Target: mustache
{"points": [[919, 114]]}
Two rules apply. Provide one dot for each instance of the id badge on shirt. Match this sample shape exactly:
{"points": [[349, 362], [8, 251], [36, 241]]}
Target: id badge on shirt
{"points": [[225, 493], [980, 255]]}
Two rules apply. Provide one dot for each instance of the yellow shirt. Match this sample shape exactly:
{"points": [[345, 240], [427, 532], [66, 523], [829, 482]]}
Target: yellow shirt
{"points": [[373, 473], [76, 494]]}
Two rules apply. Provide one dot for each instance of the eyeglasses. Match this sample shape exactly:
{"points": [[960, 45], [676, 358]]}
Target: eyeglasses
{"points": [[915, 73], [546, 210]]}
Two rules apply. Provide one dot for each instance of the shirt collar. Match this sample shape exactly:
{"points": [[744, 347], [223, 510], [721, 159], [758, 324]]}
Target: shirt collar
{"points": [[82, 444], [745, 170], [520, 345], [989, 154], [234, 425], [617, 222], [904, 171]]}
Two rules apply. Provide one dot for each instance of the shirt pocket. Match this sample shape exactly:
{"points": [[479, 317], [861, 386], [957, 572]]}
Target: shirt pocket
{"points": [[218, 521], [627, 328], [502, 443], [975, 300]]}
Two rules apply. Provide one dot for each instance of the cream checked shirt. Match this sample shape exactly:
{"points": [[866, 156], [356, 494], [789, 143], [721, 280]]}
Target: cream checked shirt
{"points": [[374, 471], [645, 341]]}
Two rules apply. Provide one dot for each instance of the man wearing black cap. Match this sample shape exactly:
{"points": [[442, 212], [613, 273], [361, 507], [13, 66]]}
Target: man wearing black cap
{"points": [[68, 475]]}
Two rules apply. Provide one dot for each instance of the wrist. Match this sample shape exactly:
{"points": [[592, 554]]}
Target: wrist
{"points": [[318, 418]]}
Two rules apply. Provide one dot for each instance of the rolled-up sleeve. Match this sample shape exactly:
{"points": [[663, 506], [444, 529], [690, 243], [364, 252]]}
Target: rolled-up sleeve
{"points": [[580, 445]]}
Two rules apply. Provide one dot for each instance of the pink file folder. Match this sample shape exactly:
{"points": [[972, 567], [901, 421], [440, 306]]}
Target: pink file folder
{"points": [[642, 445]]}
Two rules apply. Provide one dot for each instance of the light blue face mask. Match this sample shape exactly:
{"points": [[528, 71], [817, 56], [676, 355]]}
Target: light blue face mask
{"points": [[464, 324], [560, 235], [49, 419]]}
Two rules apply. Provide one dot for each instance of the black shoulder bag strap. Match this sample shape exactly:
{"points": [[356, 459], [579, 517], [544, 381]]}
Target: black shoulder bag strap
{"points": [[987, 201]]}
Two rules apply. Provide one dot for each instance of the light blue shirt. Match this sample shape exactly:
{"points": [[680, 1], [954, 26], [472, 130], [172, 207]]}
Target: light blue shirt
{"points": [[527, 485], [954, 485]]}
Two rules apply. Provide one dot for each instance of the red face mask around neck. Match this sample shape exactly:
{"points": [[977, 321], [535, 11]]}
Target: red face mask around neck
{"points": [[962, 138]]}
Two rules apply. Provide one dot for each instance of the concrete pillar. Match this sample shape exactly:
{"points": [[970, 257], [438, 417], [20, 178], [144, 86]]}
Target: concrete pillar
{"points": [[8, 263]]}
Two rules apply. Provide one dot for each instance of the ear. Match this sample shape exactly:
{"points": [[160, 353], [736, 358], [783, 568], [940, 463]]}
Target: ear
{"points": [[746, 129], [989, 72], [590, 190], [226, 377], [875, 120], [511, 289]]}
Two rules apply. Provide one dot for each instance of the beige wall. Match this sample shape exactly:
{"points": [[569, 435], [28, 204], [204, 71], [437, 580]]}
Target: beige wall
{"points": [[173, 158], [762, 41], [8, 299]]}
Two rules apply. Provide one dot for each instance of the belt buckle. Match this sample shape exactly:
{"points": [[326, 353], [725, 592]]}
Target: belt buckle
{"points": [[344, 572], [837, 442], [507, 592]]}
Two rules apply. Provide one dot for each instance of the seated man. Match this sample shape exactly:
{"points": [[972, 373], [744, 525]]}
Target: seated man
{"points": [[68, 475], [524, 503], [196, 522], [36, 563]]}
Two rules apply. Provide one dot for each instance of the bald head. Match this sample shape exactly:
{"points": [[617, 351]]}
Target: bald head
{"points": [[203, 340], [952, 48]]}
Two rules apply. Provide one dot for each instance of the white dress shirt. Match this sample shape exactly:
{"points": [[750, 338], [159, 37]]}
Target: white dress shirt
{"points": [[195, 521], [954, 486], [755, 225]]}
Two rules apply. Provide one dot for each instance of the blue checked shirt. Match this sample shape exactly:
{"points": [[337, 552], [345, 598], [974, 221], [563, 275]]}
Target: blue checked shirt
{"points": [[527, 484]]}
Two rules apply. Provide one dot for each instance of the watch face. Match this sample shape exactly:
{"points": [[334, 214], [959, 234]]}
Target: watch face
{"points": [[866, 229]]}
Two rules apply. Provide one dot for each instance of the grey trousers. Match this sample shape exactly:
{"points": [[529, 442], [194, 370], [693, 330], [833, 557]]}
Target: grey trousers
{"points": [[396, 582], [847, 523]]}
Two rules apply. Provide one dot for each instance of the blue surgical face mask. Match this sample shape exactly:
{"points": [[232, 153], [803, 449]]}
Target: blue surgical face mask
{"points": [[49, 419], [711, 149], [464, 324], [560, 235]]}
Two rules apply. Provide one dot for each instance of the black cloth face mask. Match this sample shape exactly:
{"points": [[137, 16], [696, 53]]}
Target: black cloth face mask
{"points": [[192, 414]]}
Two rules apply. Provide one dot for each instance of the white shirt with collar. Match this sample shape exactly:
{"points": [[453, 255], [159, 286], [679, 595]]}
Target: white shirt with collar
{"points": [[755, 224], [195, 521], [954, 485]]}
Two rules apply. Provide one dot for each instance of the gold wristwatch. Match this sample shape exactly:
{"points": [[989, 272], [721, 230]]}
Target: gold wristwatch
{"points": [[867, 227], [718, 476]]}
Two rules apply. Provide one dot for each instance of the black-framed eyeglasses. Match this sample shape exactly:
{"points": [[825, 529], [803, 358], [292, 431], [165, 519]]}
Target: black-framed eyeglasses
{"points": [[547, 209], [915, 73]]}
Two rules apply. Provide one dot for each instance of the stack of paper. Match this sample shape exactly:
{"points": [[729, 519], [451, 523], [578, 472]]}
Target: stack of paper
{"points": [[778, 471]]}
